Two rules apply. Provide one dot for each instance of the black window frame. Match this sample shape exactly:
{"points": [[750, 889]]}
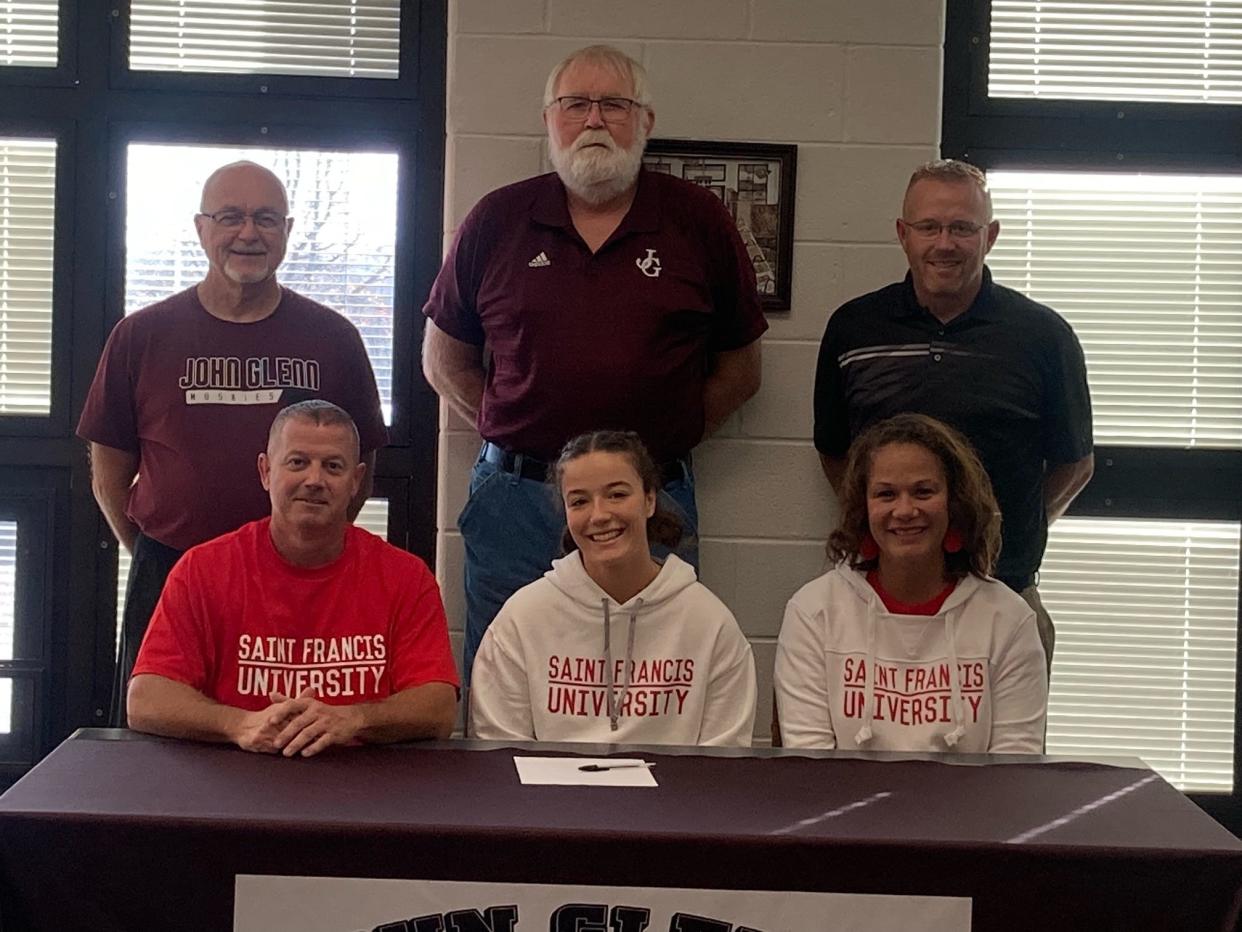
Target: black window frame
{"points": [[1070, 135]]}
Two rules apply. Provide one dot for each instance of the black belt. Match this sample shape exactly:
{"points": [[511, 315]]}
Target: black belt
{"points": [[531, 468]]}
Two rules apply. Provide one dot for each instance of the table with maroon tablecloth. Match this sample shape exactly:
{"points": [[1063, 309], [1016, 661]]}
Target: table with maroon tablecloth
{"points": [[117, 831]]}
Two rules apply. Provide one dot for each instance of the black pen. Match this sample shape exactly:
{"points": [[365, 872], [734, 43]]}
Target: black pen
{"points": [[598, 768]]}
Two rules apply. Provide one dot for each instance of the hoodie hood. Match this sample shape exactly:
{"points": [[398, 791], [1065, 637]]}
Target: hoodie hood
{"points": [[570, 577], [949, 614]]}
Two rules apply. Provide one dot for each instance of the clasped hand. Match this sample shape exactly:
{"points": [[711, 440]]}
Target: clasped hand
{"points": [[301, 725]]}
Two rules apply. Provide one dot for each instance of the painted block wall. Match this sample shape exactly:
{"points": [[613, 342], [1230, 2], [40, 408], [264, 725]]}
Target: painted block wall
{"points": [[856, 85]]}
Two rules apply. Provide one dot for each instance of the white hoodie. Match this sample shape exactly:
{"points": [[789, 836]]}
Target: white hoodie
{"points": [[851, 674], [564, 662]]}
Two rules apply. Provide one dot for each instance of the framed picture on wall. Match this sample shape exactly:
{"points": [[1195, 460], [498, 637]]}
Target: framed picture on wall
{"points": [[755, 181]]}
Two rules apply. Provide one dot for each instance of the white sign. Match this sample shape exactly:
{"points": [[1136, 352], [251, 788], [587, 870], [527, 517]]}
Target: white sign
{"points": [[343, 904]]}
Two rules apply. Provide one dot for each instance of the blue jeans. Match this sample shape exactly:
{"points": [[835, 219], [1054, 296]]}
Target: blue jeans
{"points": [[512, 530]]}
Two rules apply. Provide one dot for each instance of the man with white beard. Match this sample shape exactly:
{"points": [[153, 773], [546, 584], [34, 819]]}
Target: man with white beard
{"points": [[607, 297]]}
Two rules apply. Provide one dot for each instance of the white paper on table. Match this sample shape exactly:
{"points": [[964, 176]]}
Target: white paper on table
{"points": [[565, 771]]}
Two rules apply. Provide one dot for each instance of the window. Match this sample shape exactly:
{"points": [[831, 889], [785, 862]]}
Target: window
{"points": [[1108, 129], [1145, 269], [27, 191], [341, 247], [1185, 51], [28, 33], [1148, 270], [335, 38], [1146, 653]]}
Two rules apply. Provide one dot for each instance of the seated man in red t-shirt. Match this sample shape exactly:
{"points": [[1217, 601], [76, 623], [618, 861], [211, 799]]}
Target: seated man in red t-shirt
{"points": [[298, 631]]}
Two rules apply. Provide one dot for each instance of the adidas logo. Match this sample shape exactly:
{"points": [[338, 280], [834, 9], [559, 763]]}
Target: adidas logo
{"points": [[539, 261]]}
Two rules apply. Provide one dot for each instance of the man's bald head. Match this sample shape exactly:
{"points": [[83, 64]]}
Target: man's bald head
{"points": [[217, 185]]}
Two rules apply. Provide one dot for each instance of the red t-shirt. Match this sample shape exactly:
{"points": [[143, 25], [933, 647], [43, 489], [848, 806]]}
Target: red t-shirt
{"points": [[620, 338], [237, 622], [194, 396], [930, 607]]}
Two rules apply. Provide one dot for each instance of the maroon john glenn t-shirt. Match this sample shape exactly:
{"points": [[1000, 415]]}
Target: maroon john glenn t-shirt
{"points": [[194, 396], [617, 339]]}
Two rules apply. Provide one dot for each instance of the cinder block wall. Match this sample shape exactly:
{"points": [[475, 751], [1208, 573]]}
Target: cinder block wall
{"points": [[857, 86]]}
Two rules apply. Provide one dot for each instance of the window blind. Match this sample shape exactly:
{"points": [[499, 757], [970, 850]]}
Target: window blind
{"points": [[27, 220], [1148, 271], [1146, 613], [28, 33], [8, 615], [340, 251], [330, 38], [1183, 51]]}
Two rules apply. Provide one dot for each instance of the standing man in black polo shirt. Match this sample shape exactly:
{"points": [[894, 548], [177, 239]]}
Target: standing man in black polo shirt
{"points": [[949, 342], [609, 297]]}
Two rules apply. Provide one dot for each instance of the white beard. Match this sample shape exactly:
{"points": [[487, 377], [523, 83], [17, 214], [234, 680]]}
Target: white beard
{"points": [[598, 175]]}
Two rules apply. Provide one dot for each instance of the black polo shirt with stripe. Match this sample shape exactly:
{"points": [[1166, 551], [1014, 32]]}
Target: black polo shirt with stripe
{"points": [[1008, 373]]}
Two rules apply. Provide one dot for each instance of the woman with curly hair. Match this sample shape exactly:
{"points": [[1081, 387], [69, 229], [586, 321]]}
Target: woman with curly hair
{"points": [[907, 644], [611, 644]]}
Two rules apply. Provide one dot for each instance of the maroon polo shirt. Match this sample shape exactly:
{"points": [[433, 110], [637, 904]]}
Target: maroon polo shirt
{"points": [[617, 339]]}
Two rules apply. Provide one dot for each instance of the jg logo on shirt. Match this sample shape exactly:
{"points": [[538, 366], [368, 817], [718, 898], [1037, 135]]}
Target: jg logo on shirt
{"points": [[650, 266]]}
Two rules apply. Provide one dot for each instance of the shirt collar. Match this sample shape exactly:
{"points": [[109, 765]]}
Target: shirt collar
{"points": [[551, 207], [980, 307]]}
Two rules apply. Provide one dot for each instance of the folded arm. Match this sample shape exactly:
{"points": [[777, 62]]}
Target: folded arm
{"points": [[162, 706], [425, 711]]}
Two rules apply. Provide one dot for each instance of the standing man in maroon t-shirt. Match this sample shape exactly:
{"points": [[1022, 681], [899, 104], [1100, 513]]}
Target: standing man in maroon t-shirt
{"points": [[608, 297], [186, 389]]}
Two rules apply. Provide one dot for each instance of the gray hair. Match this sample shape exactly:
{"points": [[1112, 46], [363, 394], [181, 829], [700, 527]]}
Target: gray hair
{"points": [[320, 412], [954, 171], [608, 57]]}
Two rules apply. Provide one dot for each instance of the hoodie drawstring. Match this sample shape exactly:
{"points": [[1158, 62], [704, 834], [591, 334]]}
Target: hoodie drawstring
{"points": [[955, 681], [615, 702], [957, 706], [864, 734]]}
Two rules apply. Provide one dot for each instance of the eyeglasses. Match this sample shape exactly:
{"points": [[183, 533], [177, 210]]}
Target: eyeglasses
{"points": [[266, 220], [930, 229], [611, 109]]}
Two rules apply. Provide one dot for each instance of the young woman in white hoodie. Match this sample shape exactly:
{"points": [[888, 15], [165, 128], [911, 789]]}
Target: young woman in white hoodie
{"points": [[908, 644], [612, 645]]}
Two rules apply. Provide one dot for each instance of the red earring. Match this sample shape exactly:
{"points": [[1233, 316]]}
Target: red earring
{"points": [[952, 541], [868, 549]]}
